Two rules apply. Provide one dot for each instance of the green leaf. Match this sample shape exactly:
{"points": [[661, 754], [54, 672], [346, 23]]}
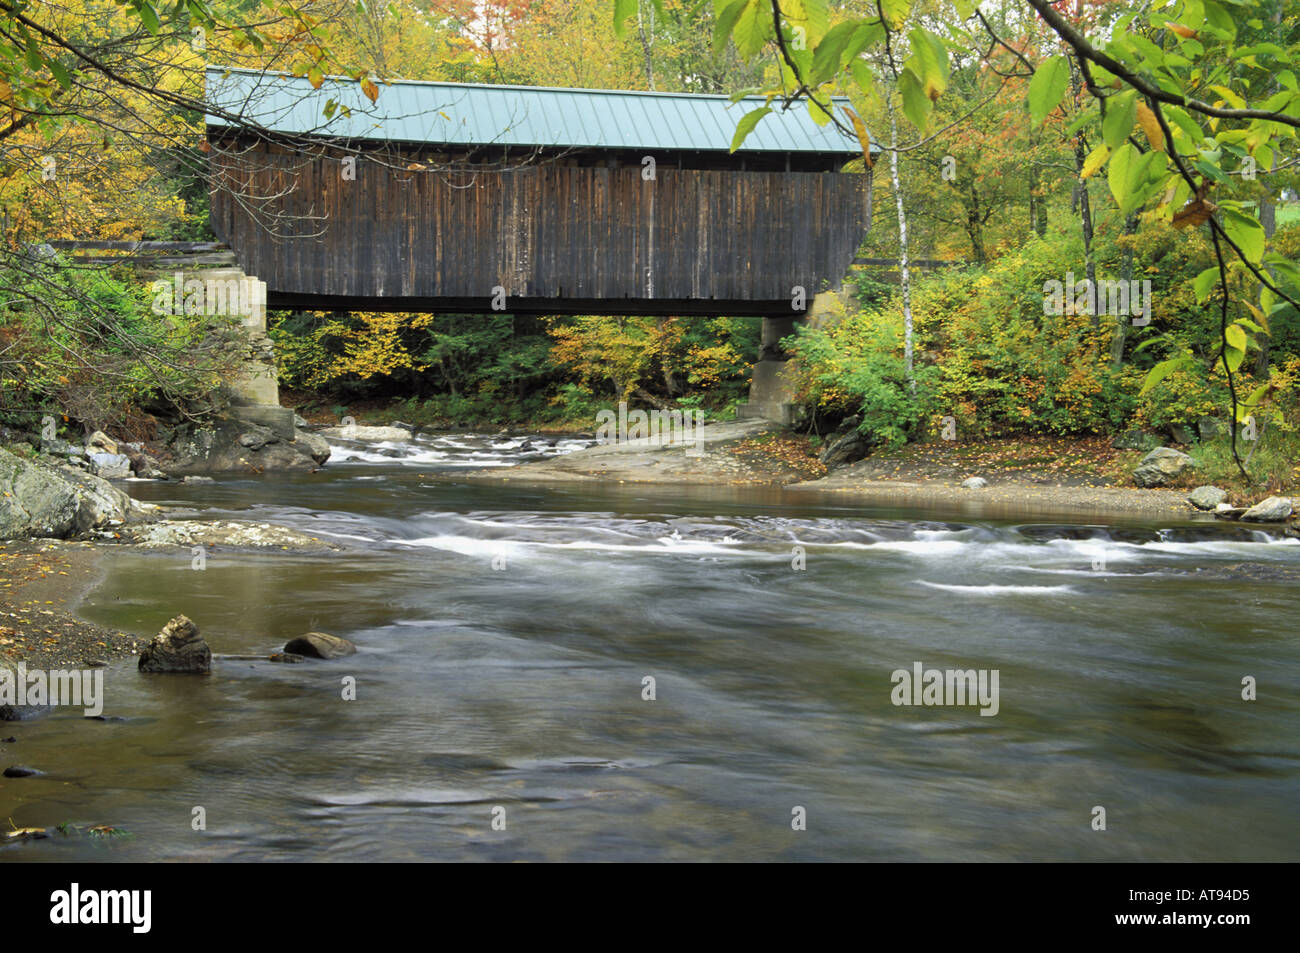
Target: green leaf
{"points": [[916, 105], [60, 73], [747, 124], [753, 28], [817, 17], [623, 11], [1047, 87], [817, 113], [726, 22], [827, 55], [1204, 282], [1120, 174], [1163, 370], [149, 16], [1232, 358], [895, 12], [1246, 232], [929, 60], [1235, 335], [1121, 112]]}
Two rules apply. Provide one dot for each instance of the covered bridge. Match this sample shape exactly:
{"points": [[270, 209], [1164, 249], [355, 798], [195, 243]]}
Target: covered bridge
{"points": [[445, 197]]}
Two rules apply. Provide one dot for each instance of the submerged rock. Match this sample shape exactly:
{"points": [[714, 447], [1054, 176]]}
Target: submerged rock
{"points": [[1275, 509], [21, 771], [177, 649], [1161, 467], [321, 646], [1207, 497], [22, 712]]}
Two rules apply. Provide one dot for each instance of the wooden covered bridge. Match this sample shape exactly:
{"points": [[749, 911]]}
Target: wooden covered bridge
{"points": [[461, 198], [439, 196]]}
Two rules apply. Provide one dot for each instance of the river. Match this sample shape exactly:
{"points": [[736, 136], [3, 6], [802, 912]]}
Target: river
{"points": [[506, 633]]}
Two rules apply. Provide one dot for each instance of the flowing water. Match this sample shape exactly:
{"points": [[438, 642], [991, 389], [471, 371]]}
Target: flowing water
{"points": [[505, 634]]}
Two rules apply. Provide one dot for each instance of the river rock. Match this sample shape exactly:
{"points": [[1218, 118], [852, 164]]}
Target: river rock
{"points": [[178, 648], [316, 446], [229, 444], [255, 438], [1226, 511], [100, 442], [39, 501], [110, 466], [1275, 509], [974, 483], [843, 450], [143, 465], [299, 421], [1207, 497], [1161, 467], [1136, 440], [355, 432], [21, 771], [319, 645]]}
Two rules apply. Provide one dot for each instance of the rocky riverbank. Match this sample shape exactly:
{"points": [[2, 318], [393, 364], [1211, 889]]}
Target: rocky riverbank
{"points": [[758, 452]]}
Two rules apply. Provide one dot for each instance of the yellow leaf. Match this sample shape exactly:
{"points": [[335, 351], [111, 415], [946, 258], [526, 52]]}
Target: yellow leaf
{"points": [[1096, 159], [370, 89], [864, 140], [1151, 126]]}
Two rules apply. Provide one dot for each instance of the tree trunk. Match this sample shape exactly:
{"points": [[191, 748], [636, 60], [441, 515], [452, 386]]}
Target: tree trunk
{"points": [[1121, 320], [905, 277]]}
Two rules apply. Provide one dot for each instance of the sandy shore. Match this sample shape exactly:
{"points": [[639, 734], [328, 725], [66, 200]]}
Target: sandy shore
{"points": [[42, 584]]}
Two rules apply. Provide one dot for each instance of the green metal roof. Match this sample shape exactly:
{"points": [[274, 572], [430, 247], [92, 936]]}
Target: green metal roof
{"points": [[526, 116]]}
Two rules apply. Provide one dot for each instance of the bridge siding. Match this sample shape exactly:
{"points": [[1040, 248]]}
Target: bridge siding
{"points": [[542, 231]]}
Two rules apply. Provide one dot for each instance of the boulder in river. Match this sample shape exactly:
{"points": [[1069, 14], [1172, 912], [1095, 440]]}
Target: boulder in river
{"points": [[47, 502], [356, 432], [100, 442], [1275, 509], [1161, 467], [21, 771], [232, 444], [110, 466], [1207, 497], [177, 649], [319, 645]]}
